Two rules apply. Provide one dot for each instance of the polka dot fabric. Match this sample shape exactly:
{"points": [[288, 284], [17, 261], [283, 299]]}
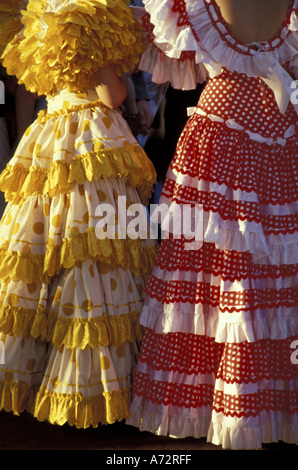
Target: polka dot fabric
{"points": [[244, 165], [70, 301], [218, 356]]}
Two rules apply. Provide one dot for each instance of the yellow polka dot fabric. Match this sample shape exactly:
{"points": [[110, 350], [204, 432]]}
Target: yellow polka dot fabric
{"points": [[70, 301]]}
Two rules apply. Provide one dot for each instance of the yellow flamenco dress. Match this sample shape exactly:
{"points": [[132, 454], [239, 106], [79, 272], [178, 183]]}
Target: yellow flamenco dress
{"points": [[70, 300]]}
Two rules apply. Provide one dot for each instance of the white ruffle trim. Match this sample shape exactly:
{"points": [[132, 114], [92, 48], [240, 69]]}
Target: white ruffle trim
{"points": [[225, 327], [272, 250], [200, 226], [172, 426], [252, 437], [212, 51], [235, 436], [183, 75], [173, 40]]}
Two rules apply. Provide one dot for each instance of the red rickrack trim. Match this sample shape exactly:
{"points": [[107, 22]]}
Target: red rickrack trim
{"points": [[233, 363], [250, 48], [287, 231], [254, 403], [230, 209], [272, 224], [241, 363], [173, 190], [229, 302], [264, 359], [146, 23], [148, 26], [183, 20], [239, 186], [228, 264], [165, 393], [180, 7], [189, 396], [179, 352]]}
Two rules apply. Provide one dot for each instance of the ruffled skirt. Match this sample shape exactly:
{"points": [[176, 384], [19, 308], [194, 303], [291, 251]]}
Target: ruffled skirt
{"points": [[71, 293], [220, 354]]}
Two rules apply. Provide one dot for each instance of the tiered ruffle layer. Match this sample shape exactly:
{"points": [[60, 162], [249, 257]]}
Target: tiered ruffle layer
{"points": [[219, 357], [225, 301], [63, 285]]}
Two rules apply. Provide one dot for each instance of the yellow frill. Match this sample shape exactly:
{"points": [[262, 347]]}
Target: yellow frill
{"points": [[74, 333], [17, 321], [103, 331], [17, 397], [18, 182], [82, 412], [65, 49], [71, 333], [59, 408], [29, 268]]}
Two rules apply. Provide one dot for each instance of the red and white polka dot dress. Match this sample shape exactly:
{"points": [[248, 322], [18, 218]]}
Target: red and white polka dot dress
{"points": [[219, 358]]}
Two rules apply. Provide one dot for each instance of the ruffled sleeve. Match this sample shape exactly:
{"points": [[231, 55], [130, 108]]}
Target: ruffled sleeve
{"points": [[188, 41], [65, 41], [173, 52]]}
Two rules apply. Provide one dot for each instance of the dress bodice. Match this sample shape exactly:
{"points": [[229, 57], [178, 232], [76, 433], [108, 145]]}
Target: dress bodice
{"points": [[190, 41], [247, 104]]}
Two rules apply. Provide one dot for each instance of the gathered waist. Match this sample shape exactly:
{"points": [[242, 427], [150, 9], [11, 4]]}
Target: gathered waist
{"points": [[256, 136], [68, 100], [247, 104]]}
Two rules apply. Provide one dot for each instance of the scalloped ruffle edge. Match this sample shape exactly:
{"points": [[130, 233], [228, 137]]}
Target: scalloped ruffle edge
{"points": [[71, 333], [82, 412], [18, 182], [273, 249], [127, 254], [17, 397], [12, 59], [61, 408]]}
